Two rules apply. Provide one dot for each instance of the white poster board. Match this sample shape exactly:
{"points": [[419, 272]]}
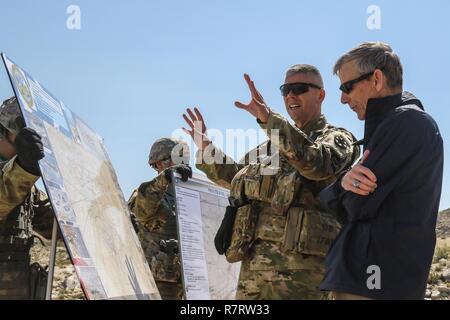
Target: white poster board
{"points": [[200, 209], [83, 188]]}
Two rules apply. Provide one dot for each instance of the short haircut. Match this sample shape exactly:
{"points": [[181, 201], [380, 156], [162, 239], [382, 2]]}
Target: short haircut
{"points": [[305, 68], [375, 55]]}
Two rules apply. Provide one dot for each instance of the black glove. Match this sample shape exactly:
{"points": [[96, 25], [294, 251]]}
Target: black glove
{"points": [[183, 169], [29, 150], [222, 240], [169, 246]]}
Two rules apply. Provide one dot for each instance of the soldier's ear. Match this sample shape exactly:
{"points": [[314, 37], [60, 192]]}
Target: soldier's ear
{"points": [[157, 166], [322, 95]]}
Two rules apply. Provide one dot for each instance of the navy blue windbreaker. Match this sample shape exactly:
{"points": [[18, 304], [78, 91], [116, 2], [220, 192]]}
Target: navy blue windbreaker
{"points": [[394, 227]]}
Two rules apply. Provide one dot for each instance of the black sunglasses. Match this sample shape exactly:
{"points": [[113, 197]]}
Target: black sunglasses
{"points": [[347, 87], [297, 88]]}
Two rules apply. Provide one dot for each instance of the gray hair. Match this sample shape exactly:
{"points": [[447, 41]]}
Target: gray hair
{"points": [[375, 55], [305, 68]]}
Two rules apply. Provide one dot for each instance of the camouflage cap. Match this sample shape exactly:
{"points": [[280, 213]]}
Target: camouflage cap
{"points": [[10, 117], [168, 148]]}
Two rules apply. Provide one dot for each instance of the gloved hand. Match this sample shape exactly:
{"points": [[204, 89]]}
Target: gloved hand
{"points": [[169, 246], [183, 169], [29, 150], [222, 240]]}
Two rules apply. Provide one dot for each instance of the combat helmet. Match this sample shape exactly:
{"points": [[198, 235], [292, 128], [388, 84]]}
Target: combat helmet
{"points": [[169, 148], [10, 117]]}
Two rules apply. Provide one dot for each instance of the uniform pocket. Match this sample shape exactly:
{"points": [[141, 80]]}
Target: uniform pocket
{"points": [[293, 229], [258, 186], [243, 234], [318, 231], [284, 193], [165, 267], [270, 226], [252, 185]]}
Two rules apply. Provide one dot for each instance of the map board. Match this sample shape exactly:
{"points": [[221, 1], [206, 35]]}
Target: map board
{"points": [[83, 188], [200, 209]]}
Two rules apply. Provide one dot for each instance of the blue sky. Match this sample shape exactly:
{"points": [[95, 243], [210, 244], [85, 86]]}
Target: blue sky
{"points": [[134, 66]]}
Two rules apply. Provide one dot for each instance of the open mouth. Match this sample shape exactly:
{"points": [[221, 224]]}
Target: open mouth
{"points": [[294, 106]]}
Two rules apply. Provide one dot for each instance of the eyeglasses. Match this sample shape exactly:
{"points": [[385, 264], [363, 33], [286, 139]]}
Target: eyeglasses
{"points": [[347, 87], [297, 88]]}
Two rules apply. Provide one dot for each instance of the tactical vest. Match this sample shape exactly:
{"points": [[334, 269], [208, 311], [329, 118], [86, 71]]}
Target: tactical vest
{"points": [[16, 239], [282, 208], [161, 246], [167, 207]]}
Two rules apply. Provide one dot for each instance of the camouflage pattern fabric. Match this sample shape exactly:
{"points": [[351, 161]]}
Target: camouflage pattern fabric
{"points": [[163, 259], [319, 151], [24, 210], [285, 256], [150, 204], [295, 284], [154, 207], [15, 185], [10, 117], [170, 290]]}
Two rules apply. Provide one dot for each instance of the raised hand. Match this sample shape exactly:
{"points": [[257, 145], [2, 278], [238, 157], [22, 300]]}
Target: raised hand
{"points": [[256, 107], [197, 128]]}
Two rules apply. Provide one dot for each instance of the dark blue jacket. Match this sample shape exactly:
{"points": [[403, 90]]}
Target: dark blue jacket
{"points": [[394, 227]]}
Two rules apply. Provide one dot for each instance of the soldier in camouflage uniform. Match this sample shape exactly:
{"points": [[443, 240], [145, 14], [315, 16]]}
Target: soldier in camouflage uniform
{"points": [[153, 204], [279, 230], [23, 208]]}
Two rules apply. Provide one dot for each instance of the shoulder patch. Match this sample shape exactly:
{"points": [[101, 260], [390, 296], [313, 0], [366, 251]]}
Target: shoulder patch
{"points": [[340, 142]]}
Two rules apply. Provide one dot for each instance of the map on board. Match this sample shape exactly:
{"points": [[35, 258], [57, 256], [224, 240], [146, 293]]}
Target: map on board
{"points": [[200, 209], [83, 188]]}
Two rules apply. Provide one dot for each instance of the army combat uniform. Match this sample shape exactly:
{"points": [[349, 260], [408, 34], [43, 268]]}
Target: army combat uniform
{"points": [[153, 204], [23, 210], [281, 234]]}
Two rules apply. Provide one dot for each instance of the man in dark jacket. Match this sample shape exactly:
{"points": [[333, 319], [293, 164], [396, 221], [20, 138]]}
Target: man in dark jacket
{"points": [[388, 202]]}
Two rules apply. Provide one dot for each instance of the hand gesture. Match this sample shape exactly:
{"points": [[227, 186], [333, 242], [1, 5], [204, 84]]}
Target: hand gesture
{"points": [[256, 107], [198, 128]]}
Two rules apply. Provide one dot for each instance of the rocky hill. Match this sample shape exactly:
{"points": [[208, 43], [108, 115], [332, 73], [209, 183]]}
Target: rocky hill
{"points": [[439, 280], [67, 286], [443, 225]]}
